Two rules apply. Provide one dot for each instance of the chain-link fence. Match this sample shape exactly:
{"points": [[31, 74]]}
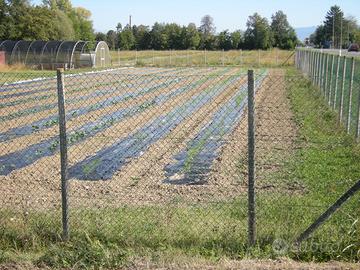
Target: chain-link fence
{"points": [[158, 158], [188, 58], [338, 77]]}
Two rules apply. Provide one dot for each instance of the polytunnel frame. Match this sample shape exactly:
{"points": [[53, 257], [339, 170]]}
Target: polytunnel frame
{"points": [[43, 44], [99, 43], [66, 59], [53, 54], [8, 50], [82, 44], [21, 46]]}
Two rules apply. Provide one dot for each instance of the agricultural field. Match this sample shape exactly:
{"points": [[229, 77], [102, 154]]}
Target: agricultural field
{"points": [[269, 58], [119, 122], [157, 160]]}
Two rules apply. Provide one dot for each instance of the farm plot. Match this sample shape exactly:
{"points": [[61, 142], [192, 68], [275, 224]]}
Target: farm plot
{"points": [[121, 125]]}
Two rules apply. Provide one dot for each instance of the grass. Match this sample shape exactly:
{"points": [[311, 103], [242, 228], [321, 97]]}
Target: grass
{"points": [[327, 163], [270, 58], [9, 74]]}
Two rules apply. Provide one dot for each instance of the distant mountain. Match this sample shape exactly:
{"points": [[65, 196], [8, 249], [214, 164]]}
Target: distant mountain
{"points": [[304, 32]]}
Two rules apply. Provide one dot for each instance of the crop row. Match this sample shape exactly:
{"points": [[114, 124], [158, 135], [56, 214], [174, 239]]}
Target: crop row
{"points": [[193, 164], [27, 156], [52, 120], [106, 162]]}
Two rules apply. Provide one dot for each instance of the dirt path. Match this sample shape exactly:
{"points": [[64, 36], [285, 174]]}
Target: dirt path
{"points": [[276, 135]]}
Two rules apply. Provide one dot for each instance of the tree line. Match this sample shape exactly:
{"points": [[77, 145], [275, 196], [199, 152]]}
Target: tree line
{"points": [[52, 20], [59, 20], [259, 34], [337, 31]]}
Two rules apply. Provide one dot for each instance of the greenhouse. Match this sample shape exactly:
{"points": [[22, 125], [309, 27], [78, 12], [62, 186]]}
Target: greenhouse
{"points": [[55, 54]]}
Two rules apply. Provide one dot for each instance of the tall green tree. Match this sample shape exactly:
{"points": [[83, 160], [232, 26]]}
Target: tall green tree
{"points": [[63, 5], [142, 37], [319, 37], [351, 29], [64, 26], [158, 37], [79, 17], [18, 12], [100, 36], [207, 30], [190, 37], [83, 26], [236, 39], [173, 34], [257, 34], [111, 39], [333, 26], [284, 36], [224, 41], [3, 19], [126, 39], [40, 24]]}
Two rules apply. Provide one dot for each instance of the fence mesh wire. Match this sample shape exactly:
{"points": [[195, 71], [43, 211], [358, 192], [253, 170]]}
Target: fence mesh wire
{"points": [[338, 78], [159, 157]]}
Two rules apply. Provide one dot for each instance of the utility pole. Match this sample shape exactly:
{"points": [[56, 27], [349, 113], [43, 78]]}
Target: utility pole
{"points": [[333, 26], [348, 35], [341, 26]]}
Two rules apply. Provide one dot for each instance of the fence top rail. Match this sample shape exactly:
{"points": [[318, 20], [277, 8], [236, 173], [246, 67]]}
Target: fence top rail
{"points": [[343, 52]]}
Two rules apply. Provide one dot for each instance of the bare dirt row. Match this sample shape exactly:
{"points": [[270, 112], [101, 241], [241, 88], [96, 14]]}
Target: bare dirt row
{"points": [[38, 184], [25, 141], [141, 181]]}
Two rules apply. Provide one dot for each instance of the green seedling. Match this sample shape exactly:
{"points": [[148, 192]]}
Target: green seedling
{"points": [[91, 167]]}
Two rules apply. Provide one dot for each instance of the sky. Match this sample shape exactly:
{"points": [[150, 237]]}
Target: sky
{"points": [[227, 14]]}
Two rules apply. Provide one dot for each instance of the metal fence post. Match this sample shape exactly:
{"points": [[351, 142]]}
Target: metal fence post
{"points": [[170, 54], [241, 57], [336, 82], [63, 153], [317, 68], [324, 57], [348, 122], [153, 57], [331, 78], [187, 58], [342, 91], [311, 66], [119, 57], [222, 58], [357, 135], [328, 213], [325, 76], [205, 57], [251, 159], [314, 67]]}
